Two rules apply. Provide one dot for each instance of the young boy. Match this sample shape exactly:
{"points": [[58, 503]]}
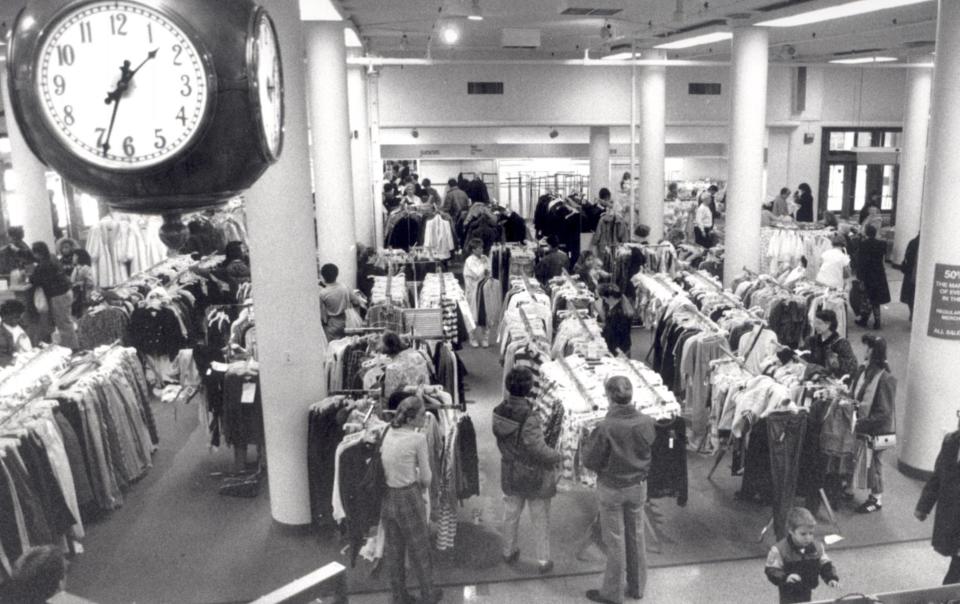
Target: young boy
{"points": [[795, 563]]}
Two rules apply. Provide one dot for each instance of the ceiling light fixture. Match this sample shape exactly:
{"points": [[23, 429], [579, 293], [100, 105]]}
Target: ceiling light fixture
{"points": [[840, 11], [475, 13], [620, 56], [863, 60], [449, 32], [718, 36]]}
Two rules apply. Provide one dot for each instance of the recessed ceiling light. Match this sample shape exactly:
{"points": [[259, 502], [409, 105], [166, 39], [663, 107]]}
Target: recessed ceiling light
{"points": [[619, 56], [840, 11], [718, 36], [449, 32], [862, 60]]}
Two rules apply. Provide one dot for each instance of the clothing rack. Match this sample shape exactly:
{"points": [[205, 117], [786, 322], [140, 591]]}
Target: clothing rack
{"points": [[573, 378], [626, 361], [357, 331], [39, 355]]}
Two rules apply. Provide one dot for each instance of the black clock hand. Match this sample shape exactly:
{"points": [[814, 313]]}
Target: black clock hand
{"points": [[126, 75]]}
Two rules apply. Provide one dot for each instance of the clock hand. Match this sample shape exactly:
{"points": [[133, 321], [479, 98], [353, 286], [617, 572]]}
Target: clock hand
{"points": [[126, 75]]}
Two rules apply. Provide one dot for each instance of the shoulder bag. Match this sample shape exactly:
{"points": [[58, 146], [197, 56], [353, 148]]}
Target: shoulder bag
{"points": [[523, 476]]}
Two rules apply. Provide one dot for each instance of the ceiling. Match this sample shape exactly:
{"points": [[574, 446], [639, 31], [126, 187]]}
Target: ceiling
{"points": [[407, 28]]}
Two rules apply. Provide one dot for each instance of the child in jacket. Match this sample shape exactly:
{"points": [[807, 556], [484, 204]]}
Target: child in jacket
{"points": [[796, 563]]}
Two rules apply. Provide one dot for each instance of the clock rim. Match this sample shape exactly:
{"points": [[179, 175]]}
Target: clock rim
{"points": [[33, 77], [253, 63]]}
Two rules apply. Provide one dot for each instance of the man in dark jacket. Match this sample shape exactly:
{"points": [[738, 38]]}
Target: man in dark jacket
{"points": [[619, 451], [943, 490], [455, 202], [553, 262], [527, 467]]}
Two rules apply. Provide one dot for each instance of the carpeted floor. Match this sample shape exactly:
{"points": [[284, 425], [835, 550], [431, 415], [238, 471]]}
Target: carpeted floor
{"points": [[177, 540]]}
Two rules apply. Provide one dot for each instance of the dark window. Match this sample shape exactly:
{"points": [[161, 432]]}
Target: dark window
{"points": [[484, 87], [703, 88]]}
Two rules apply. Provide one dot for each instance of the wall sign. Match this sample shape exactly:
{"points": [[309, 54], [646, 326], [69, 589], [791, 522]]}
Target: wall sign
{"points": [[945, 303]]}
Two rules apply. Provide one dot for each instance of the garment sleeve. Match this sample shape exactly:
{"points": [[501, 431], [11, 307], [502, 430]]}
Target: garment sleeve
{"points": [[931, 490], [423, 462], [774, 567], [534, 443], [596, 450], [828, 572]]}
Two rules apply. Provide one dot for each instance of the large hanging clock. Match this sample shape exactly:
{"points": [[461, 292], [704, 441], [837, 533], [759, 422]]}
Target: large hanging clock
{"points": [[156, 106]]}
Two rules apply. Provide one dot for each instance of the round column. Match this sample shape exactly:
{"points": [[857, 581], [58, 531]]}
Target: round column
{"points": [[599, 159], [376, 159], [933, 379], [364, 225], [748, 123], [28, 203], [913, 158], [653, 138], [330, 135], [286, 294]]}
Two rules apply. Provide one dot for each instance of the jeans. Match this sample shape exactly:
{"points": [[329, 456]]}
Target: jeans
{"points": [[539, 517], [875, 473], [621, 520], [61, 312], [785, 433], [404, 519]]}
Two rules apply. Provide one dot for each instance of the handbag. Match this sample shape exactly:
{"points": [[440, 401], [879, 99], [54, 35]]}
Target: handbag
{"points": [[40, 300], [352, 318], [882, 442]]}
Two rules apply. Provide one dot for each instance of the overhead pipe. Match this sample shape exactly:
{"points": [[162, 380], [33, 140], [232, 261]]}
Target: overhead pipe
{"points": [[430, 62]]}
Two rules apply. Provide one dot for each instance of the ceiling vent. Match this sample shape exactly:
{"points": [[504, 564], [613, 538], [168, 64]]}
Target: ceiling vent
{"points": [[520, 38], [589, 8]]}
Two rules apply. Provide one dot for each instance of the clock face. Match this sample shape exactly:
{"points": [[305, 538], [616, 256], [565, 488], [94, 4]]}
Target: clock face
{"points": [[269, 78], [121, 84]]}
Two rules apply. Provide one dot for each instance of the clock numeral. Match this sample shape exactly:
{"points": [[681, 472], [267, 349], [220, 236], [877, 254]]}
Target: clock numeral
{"points": [[150, 32], [68, 118], [86, 32], [65, 54], [101, 132], [187, 90], [128, 148], [178, 50], [117, 24], [160, 141], [59, 85], [182, 116]]}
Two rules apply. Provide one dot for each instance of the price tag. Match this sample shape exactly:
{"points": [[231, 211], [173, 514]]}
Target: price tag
{"points": [[249, 393], [670, 443]]}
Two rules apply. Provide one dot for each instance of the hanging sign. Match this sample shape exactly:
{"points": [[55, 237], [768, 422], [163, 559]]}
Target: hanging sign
{"points": [[945, 303]]}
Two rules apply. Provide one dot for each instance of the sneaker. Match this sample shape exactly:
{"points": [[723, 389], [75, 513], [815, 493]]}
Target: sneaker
{"points": [[545, 568], [869, 506], [512, 558], [485, 343], [594, 595], [474, 343]]}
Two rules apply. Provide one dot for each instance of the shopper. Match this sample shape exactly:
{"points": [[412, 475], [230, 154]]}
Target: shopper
{"points": [[39, 574], [589, 268], [455, 202], [65, 249], [432, 195], [805, 203], [641, 234], [49, 278], [9, 254], [872, 202], [406, 467], [528, 473], [767, 216], [703, 222], [82, 281], [553, 263], [943, 490], [410, 198], [476, 268], [673, 192], [616, 319], [909, 269], [781, 203], [827, 349], [875, 389], [619, 451], [797, 562], [872, 273], [872, 217], [13, 339], [336, 301], [835, 265]]}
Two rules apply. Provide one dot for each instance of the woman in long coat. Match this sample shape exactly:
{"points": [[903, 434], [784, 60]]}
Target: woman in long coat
{"points": [[873, 275], [943, 490]]}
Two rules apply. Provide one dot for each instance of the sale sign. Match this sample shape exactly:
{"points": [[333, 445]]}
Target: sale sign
{"points": [[945, 303]]}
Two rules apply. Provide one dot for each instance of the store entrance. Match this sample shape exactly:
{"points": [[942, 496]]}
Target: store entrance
{"points": [[857, 164]]}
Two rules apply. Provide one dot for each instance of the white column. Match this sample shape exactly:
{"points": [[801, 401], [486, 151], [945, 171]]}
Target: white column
{"points": [[360, 156], [28, 203], [933, 379], [330, 135], [376, 159], [653, 138], [286, 295], [913, 158], [599, 159], [748, 123]]}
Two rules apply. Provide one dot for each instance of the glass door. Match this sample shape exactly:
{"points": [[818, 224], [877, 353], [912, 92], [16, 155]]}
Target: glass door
{"points": [[841, 186]]}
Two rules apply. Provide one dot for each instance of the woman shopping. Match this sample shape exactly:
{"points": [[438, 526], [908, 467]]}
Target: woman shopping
{"points": [[873, 275], [527, 469], [876, 390], [406, 468], [476, 268], [52, 285]]}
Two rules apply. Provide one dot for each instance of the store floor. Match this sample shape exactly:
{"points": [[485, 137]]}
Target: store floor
{"points": [[177, 540]]}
